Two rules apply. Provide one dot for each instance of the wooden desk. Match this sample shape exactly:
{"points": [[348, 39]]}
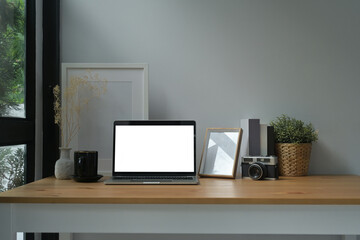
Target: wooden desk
{"points": [[302, 205]]}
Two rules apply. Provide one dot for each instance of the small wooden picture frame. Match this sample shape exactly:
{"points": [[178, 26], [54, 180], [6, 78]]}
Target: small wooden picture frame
{"points": [[220, 153]]}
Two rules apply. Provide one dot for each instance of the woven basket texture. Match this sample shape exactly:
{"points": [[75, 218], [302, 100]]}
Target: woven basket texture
{"points": [[293, 158]]}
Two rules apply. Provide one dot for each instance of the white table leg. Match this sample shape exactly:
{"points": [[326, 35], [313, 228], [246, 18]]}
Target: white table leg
{"points": [[6, 222]]}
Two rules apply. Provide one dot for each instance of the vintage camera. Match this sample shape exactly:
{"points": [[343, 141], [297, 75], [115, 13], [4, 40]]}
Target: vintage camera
{"points": [[259, 167]]}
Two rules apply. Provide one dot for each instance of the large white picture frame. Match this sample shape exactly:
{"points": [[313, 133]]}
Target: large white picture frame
{"points": [[126, 98]]}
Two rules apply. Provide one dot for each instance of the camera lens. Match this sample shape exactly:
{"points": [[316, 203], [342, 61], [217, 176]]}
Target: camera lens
{"points": [[257, 171]]}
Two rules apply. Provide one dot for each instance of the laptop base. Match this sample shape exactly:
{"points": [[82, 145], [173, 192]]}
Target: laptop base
{"points": [[117, 181]]}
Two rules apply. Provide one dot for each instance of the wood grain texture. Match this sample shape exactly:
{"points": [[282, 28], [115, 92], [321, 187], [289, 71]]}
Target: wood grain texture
{"points": [[338, 190]]}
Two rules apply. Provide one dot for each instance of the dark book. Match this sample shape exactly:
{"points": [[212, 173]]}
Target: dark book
{"points": [[267, 140], [270, 141], [254, 137]]}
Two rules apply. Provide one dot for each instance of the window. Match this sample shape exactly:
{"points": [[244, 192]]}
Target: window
{"points": [[12, 160], [17, 92], [12, 61]]}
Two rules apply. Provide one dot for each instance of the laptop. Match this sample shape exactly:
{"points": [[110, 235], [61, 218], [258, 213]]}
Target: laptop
{"points": [[154, 152]]}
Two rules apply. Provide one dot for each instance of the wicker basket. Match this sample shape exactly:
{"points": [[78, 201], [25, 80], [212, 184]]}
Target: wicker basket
{"points": [[293, 158]]}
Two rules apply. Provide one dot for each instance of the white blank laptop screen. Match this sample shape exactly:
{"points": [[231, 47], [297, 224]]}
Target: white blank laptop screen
{"points": [[154, 148]]}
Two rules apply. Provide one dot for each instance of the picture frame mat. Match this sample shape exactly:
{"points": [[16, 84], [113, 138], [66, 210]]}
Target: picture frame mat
{"points": [[126, 98], [231, 174]]}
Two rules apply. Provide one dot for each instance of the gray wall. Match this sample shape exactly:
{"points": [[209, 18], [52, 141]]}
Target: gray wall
{"points": [[220, 61]]}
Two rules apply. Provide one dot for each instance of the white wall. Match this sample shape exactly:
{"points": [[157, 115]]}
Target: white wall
{"points": [[220, 61]]}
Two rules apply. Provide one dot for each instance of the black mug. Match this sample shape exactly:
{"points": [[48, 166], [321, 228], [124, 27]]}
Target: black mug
{"points": [[85, 164]]}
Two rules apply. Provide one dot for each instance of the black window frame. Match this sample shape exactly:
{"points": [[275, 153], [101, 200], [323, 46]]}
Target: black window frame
{"points": [[51, 77]]}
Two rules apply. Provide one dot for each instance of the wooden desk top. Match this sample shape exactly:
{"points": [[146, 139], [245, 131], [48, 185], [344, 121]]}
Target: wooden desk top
{"points": [[287, 190]]}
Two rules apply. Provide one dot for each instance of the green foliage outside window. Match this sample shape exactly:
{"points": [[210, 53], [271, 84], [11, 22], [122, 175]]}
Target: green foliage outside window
{"points": [[11, 167], [12, 85], [12, 54]]}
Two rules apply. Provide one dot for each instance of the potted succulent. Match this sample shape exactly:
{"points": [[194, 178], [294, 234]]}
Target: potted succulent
{"points": [[293, 145]]}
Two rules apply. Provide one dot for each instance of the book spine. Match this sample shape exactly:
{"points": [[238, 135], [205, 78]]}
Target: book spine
{"points": [[254, 137], [244, 149], [267, 140], [270, 141], [263, 139]]}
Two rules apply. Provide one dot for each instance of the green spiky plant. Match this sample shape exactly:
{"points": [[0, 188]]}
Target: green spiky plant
{"points": [[290, 130]]}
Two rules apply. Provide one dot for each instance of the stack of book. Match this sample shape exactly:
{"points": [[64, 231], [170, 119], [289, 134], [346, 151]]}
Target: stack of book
{"points": [[257, 139]]}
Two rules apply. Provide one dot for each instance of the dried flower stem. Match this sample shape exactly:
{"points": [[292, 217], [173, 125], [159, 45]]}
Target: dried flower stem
{"points": [[67, 111]]}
